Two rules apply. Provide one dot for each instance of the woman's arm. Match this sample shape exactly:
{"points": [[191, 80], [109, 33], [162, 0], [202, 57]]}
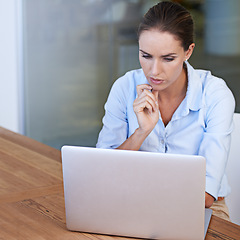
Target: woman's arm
{"points": [[135, 141], [130, 113], [215, 144]]}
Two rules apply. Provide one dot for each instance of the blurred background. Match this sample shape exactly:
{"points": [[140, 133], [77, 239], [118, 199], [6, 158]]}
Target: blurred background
{"points": [[69, 53]]}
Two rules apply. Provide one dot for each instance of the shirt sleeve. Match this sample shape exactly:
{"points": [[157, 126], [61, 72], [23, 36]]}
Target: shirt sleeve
{"points": [[115, 124], [219, 110]]}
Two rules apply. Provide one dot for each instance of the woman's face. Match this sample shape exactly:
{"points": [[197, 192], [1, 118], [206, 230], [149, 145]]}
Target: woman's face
{"points": [[161, 57]]}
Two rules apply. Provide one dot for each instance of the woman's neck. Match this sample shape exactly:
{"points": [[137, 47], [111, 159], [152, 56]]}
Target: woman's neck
{"points": [[170, 100]]}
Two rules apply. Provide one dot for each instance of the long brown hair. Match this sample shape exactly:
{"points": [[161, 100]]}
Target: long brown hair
{"points": [[170, 17]]}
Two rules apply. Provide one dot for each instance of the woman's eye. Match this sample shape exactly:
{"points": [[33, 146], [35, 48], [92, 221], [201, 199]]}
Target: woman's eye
{"points": [[168, 59], [146, 56]]}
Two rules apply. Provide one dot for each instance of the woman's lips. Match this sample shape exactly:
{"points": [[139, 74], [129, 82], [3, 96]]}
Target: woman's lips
{"points": [[156, 81]]}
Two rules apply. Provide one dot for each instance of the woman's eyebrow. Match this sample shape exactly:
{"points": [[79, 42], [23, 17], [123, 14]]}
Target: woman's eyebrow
{"points": [[163, 56], [169, 55], [144, 52]]}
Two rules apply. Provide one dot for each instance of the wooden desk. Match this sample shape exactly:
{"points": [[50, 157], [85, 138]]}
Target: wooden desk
{"points": [[31, 195]]}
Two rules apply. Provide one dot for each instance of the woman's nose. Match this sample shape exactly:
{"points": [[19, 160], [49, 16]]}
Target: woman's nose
{"points": [[156, 68]]}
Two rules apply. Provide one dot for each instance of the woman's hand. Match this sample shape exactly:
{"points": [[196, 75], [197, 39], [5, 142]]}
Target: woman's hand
{"points": [[146, 108], [209, 199]]}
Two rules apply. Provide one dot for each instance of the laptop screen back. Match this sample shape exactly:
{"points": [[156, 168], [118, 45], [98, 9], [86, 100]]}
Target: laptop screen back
{"points": [[135, 194]]}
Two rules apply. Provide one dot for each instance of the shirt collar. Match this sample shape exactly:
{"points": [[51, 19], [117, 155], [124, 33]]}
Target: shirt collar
{"points": [[193, 99], [194, 90]]}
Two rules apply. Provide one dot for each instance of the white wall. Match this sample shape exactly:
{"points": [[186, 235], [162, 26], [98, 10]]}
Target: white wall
{"points": [[9, 70]]}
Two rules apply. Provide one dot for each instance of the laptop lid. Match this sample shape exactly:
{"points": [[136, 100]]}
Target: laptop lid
{"points": [[133, 193]]}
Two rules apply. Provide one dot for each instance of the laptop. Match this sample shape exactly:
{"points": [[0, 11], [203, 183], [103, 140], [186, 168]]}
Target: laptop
{"points": [[134, 193]]}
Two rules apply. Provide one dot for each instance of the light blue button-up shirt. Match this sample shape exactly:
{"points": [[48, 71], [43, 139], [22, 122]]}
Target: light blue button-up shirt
{"points": [[201, 125]]}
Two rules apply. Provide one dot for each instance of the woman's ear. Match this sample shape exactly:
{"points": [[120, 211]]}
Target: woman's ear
{"points": [[189, 52]]}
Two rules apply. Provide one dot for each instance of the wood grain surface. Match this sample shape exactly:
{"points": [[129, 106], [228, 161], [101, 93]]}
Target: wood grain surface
{"points": [[32, 199]]}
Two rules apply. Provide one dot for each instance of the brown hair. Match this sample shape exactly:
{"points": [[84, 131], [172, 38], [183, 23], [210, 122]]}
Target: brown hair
{"points": [[170, 17]]}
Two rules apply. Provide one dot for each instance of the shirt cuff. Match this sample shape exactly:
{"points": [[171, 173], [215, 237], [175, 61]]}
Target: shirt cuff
{"points": [[212, 187]]}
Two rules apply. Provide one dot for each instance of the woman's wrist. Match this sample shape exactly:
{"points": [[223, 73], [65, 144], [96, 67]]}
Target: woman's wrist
{"points": [[134, 142], [142, 133]]}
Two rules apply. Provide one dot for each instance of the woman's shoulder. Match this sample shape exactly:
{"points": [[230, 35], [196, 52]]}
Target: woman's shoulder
{"points": [[215, 87], [210, 83], [211, 89]]}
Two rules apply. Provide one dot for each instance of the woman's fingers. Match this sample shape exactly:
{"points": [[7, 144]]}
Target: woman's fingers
{"points": [[141, 106], [146, 107], [146, 99], [145, 102], [142, 87]]}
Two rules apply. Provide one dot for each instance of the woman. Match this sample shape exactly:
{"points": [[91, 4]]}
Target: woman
{"points": [[168, 106]]}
